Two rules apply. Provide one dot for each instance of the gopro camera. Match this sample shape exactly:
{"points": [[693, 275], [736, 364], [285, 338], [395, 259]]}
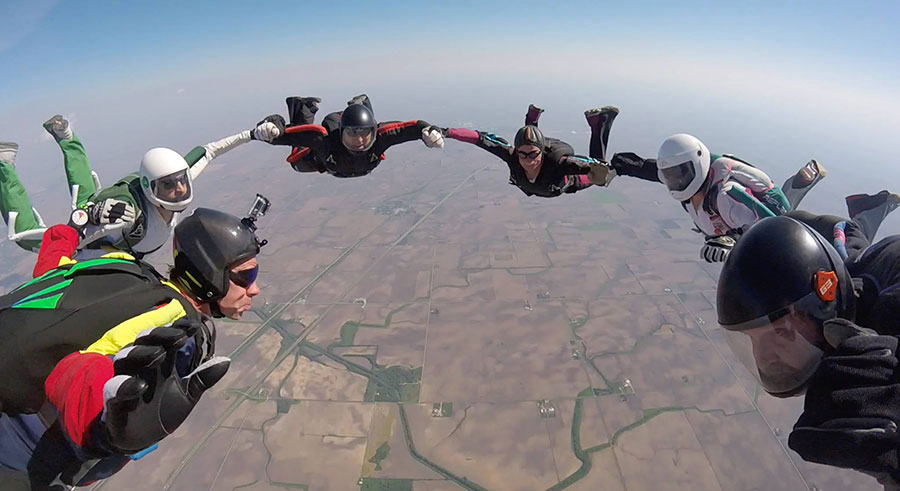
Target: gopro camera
{"points": [[259, 208]]}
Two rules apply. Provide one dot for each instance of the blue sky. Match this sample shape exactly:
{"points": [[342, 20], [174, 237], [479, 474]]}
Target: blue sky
{"points": [[774, 82], [93, 44]]}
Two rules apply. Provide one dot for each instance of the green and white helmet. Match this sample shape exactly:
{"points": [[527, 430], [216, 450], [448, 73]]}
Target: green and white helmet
{"points": [[166, 179]]}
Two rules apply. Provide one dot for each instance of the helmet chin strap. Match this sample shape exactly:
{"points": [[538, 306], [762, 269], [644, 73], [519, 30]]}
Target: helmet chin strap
{"points": [[214, 310]]}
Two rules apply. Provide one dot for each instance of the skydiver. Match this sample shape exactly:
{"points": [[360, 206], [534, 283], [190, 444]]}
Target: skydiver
{"points": [[722, 193], [101, 359], [544, 166], [348, 143], [146, 203], [803, 319]]}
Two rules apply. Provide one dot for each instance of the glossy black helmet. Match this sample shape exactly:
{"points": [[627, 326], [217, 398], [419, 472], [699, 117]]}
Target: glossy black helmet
{"points": [[529, 135], [207, 245], [779, 284], [358, 128]]}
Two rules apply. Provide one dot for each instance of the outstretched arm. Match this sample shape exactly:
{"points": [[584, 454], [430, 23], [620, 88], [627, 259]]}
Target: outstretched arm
{"points": [[576, 164], [582, 172], [630, 164], [576, 182], [494, 144], [304, 135], [267, 130], [395, 132]]}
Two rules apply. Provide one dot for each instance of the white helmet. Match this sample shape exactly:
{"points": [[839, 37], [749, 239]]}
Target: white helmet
{"points": [[166, 179], [683, 163]]}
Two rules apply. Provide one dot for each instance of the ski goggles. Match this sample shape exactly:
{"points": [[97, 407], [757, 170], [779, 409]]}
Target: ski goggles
{"points": [[245, 277], [528, 155]]}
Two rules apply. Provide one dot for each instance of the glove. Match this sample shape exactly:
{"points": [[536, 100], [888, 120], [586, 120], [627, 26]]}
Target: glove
{"points": [[852, 405], [601, 173], [433, 137], [110, 211], [716, 248], [268, 129], [147, 399]]}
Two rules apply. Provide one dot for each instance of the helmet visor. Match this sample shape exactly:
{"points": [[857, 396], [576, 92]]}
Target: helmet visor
{"points": [[173, 188], [358, 138], [781, 350], [679, 177]]}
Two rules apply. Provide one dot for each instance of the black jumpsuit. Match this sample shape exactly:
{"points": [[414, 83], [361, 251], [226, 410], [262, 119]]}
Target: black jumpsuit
{"points": [[318, 148]]}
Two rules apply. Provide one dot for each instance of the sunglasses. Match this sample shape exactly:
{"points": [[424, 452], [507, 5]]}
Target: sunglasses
{"points": [[528, 155], [170, 183], [245, 277]]}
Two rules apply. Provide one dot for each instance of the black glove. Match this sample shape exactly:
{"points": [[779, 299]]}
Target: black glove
{"points": [[110, 211], [147, 399], [852, 405]]}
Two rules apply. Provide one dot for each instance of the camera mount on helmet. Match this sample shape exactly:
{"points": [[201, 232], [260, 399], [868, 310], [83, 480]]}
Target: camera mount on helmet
{"points": [[258, 209]]}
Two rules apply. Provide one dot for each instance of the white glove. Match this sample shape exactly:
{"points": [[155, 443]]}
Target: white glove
{"points": [[266, 131], [432, 137], [110, 211], [601, 173], [716, 249]]}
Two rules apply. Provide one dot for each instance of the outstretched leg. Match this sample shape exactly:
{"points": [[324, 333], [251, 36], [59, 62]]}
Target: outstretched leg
{"points": [[362, 99], [13, 197], [845, 235], [796, 186], [533, 115], [600, 121], [302, 110], [307, 164], [870, 210], [78, 170]]}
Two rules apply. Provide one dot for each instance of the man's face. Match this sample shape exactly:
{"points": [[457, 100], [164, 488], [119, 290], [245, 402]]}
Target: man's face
{"points": [[241, 289], [358, 139], [529, 156], [173, 188], [786, 352]]}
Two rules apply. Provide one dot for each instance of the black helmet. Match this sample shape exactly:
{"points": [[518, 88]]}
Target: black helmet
{"points": [[779, 284], [358, 128], [207, 244], [529, 135]]}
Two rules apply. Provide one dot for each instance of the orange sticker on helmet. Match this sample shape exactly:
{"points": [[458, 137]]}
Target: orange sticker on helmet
{"points": [[826, 285]]}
